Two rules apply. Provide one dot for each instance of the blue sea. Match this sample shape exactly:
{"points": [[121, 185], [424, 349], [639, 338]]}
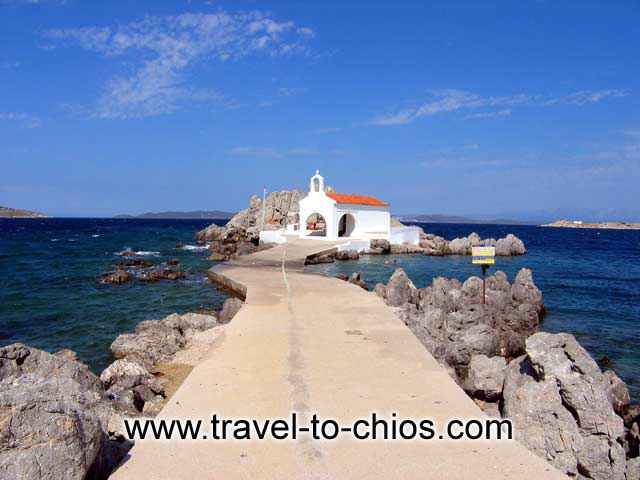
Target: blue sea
{"points": [[50, 296], [590, 280]]}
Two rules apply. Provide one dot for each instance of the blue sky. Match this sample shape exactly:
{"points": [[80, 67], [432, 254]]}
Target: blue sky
{"points": [[442, 107]]}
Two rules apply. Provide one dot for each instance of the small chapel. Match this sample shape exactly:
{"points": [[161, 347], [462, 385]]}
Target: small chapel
{"points": [[326, 214]]}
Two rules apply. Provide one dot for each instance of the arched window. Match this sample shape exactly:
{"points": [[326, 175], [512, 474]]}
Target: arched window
{"points": [[316, 184]]}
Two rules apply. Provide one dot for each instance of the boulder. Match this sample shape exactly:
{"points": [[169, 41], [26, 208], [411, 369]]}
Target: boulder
{"points": [[460, 246], [561, 376], [124, 374], [117, 278], [540, 420], [151, 343], [524, 290], [405, 248], [209, 234], [230, 307], [381, 245], [485, 377], [617, 392], [380, 290], [398, 291], [58, 417], [510, 245], [347, 255]]}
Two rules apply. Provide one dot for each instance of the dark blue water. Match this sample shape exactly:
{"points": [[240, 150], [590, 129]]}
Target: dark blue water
{"points": [[590, 280], [50, 296]]}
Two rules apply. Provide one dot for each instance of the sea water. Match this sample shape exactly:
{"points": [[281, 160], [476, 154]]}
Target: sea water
{"points": [[50, 294]]}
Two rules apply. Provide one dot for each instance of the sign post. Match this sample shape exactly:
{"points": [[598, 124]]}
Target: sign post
{"points": [[483, 256]]}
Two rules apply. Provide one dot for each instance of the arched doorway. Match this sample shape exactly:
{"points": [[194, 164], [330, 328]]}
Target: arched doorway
{"points": [[346, 225], [316, 225]]}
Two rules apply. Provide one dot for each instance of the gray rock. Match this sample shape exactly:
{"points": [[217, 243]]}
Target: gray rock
{"points": [[124, 374], [560, 403], [540, 420], [151, 343], [380, 244], [485, 377], [633, 469], [347, 255], [524, 290], [617, 392], [209, 234], [380, 290], [399, 288], [460, 246], [53, 418], [510, 245], [230, 307]]}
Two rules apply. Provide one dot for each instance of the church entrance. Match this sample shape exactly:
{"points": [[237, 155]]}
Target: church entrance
{"points": [[316, 225], [346, 225]]}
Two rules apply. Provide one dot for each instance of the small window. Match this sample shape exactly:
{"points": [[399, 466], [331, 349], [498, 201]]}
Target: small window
{"points": [[316, 184]]}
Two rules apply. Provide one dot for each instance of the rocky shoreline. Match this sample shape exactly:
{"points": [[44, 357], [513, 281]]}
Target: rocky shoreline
{"points": [[564, 408], [60, 420]]}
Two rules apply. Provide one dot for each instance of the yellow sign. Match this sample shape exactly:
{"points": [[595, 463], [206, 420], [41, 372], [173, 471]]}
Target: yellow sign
{"points": [[483, 255]]}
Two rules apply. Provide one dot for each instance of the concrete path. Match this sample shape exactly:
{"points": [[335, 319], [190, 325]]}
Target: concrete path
{"points": [[312, 344]]}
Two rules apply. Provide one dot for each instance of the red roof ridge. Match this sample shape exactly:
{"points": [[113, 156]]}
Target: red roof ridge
{"points": [[357, 199]]}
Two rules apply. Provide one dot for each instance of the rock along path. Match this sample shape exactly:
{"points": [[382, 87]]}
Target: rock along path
{"points": [[313, 344]]}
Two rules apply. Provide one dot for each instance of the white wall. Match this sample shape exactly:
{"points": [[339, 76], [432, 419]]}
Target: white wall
{"points": [[371, 222], [402, 235], [324, 206]]}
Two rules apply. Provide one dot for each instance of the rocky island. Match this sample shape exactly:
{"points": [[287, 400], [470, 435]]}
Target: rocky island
{"points": [[6, 212], [601, 225]]}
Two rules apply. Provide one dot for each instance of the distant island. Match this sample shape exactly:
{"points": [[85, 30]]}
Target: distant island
{"points": [[439, 218], [196, 214], [581, 224], [6, 212]]}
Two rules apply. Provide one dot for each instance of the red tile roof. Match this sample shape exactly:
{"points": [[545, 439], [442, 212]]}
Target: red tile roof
{"points": [[357, 199]]}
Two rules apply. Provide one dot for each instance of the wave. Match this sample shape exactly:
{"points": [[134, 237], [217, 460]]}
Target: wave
{"points": [[127, 252], [95, 235], [194, 248]]}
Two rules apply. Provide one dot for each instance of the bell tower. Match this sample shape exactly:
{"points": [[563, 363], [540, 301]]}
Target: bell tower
{"points": [[316, 184]]}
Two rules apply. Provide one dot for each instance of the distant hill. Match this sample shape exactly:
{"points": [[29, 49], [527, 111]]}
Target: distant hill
{"points": [[196, 214], [438, 218], [6, 212]]}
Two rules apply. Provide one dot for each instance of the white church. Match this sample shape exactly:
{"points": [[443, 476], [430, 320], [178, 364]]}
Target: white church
{"points": [[325, 214]]}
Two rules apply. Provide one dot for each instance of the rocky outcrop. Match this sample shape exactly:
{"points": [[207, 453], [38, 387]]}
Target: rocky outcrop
{"points": [[558, 399], [54, 418], [485, 377], [452, 322], [563, 407], [155, 341], [143, 271], [437, 246], [280, 209]]}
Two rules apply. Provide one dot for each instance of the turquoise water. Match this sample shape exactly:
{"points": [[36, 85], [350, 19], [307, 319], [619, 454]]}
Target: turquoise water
{"points": [[590, 280], [50, 296]]}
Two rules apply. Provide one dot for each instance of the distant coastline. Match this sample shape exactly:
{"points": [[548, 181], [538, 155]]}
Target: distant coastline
{"points": [[440, 218], [6, 212], [171, 215], [599, 225]]}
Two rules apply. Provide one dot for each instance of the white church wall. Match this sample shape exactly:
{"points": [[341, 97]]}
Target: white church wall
{"points": [[371, 222], [400, 235], [318, 204]]}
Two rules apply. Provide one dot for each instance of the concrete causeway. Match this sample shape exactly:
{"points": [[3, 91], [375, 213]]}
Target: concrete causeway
{"points": [[312, 344]]}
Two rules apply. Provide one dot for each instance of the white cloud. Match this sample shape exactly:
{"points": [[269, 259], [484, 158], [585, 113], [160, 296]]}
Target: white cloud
{"points": [[163, 48], [25, 119], [453, 100]]}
